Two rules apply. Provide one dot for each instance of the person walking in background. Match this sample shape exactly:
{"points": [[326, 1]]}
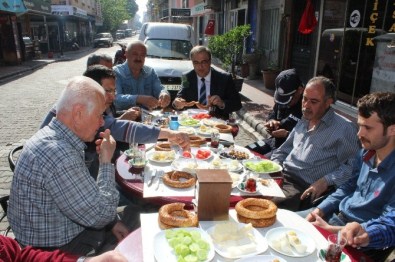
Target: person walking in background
{"points": [[138, 84], [318, 152], [286, 112], [120, 55]]}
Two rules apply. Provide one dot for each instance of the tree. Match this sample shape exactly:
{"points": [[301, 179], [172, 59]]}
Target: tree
{"points": [[115, 12]]}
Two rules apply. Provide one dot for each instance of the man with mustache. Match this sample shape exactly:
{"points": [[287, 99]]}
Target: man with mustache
{"points": [[368, 196], [317, 152], [137, 84]]}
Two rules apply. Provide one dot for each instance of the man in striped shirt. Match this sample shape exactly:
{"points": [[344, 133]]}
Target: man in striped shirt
{"points": [[317, 153]]}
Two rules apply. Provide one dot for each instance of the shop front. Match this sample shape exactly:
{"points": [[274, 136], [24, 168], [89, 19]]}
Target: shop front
{"points": [[357, 47]]}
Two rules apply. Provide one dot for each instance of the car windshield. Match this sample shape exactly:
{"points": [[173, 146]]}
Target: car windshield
{"points": [[168, 48], [102, 35]]}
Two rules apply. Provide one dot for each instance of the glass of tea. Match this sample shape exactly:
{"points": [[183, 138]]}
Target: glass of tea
{"points": [[214, 140], [335, 247], [137, 163]]}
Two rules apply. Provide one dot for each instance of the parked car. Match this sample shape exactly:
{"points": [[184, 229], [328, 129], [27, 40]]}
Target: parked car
{"points": [[103, 39], [168, 47], [120, 34]]}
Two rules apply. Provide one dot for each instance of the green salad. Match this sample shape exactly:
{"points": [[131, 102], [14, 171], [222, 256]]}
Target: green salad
{"points": [[189, 122], [189, 246], [263, 166]]}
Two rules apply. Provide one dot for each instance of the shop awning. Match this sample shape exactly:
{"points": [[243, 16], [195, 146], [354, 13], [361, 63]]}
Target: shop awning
{"points": [[13, 6]]}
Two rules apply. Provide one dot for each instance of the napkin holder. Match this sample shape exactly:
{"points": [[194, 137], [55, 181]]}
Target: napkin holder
{"points": [[213, 194]]}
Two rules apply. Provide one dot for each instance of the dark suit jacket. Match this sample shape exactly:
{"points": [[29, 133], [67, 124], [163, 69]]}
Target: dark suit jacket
{"points": [[221, 84]]}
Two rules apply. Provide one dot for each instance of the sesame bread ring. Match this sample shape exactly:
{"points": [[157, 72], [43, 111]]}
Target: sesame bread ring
{"points": [[264, 222], [222, 128], [197, 141], [183, 218], [179, 179], [269, 208], [162, 146], [201, 106]]}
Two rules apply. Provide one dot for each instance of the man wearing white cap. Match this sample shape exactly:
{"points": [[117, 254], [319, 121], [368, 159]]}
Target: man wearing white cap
{"points": [[286, 112]]}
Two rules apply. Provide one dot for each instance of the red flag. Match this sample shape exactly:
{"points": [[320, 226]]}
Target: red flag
{"points": [[210, 27], [308, 21]]}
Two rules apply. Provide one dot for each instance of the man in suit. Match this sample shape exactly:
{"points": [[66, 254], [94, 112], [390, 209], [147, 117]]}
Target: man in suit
{"points": [[207, 86]]}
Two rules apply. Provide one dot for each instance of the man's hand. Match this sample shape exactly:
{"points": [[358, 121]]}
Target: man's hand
{"points": [[316, 189], [279, 133], [131, 114], [120, 231], [179, 103], [314, 214], [215, 101], [355, 235], [164, 99], [105, 146], [323, 224], [148, 102], [272, 125], [181, 139]]}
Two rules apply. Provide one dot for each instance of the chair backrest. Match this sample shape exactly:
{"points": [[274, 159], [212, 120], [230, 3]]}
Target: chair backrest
{"points": [[12, 157]]}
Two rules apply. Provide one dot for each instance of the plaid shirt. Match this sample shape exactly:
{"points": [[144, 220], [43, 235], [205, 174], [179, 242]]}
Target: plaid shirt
{"points": [[53, 198]]}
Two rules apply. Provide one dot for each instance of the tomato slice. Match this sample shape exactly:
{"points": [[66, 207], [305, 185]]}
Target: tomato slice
{"points": [[187, 154]]}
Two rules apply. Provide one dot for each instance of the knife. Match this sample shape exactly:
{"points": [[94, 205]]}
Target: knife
{"points": [[152, 178]]}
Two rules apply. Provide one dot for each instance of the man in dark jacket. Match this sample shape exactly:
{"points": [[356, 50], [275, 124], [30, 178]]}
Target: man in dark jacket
{"points": [[207, 86], [286, 112]]}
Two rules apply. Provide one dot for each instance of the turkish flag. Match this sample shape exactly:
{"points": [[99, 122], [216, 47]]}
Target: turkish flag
{"points": [[210, 27], [308, 21]]}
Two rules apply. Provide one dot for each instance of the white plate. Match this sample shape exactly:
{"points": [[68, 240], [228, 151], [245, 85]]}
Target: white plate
{"points": [[277, 167], [194, 111], [245, 191], [278, 232], [163, 251], [213, 121], [207, 132], [235, 178], [261, 258], [187, 129], [194, 151], [238, 149], [188, 164], [169, 156], [321, 255], [261, 245], [226, 163]]}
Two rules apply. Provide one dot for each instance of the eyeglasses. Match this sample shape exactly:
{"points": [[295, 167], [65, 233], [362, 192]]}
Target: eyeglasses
{"points": [[111, 91], [203, 62]]}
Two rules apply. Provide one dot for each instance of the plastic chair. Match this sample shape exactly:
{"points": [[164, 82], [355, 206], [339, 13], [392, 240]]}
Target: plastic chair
{"points": [[12, 158]]}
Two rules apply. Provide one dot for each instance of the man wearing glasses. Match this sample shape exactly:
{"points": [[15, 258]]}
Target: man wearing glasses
{"points": [[207, 86]]}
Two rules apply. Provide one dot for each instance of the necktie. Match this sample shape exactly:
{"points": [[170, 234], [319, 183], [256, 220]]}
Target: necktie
{"points": [[202, 98]]}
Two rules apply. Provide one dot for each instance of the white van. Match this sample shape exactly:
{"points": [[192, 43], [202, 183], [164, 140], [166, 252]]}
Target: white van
{"points": [[168, 47]]}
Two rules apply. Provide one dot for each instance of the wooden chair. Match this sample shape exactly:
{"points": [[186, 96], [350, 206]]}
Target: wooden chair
{"points": [[12, 157]]}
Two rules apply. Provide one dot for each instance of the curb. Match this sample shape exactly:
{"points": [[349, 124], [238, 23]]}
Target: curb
{"points": [[254, 126]]}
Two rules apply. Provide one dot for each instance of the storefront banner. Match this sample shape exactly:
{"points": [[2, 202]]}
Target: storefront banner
{"points": [[199, 9], [38, 5], [13, 6], [80, 12], [62, 9]]}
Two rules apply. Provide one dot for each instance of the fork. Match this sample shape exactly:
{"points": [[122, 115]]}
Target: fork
{"points": [[159, 174]]}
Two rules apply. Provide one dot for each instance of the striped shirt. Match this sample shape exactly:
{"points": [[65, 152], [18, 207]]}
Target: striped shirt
{"points": [[326, 151], [381, 231], [53, 198]]}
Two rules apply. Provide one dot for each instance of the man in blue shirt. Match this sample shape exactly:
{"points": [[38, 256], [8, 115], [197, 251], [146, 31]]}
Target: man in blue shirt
{"points": [[369, 194], [137, 84], [316, 154]]}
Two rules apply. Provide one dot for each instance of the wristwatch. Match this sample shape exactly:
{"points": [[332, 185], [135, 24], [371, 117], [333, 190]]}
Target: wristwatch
{"points": [[81, 259]]}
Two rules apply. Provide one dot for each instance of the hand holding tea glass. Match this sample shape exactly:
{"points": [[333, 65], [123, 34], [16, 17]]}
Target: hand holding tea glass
{"points": [[336, 243]]}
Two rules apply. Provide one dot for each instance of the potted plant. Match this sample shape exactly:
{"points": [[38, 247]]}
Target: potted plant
{"points": [[229, 47], [270, 72], [252, 59]]}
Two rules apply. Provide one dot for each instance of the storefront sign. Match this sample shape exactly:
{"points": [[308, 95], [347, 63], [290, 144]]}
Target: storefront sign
{"points": [[13, 6], [62, 10], [38, 5], [199, 9], [372, 27]]}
